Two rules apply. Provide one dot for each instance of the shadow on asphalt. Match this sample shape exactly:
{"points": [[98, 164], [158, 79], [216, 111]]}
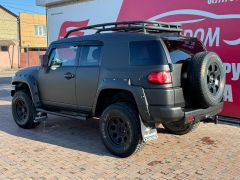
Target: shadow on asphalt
{"points": [[4, 93], [5, 80], [69, 133]]}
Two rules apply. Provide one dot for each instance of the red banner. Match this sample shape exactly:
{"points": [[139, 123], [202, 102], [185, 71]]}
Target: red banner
{"points": [[215, 22]]}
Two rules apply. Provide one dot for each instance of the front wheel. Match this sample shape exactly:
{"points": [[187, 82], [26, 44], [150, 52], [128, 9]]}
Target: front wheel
{"points": [[120, 129], [23, 110], [180, 128]]}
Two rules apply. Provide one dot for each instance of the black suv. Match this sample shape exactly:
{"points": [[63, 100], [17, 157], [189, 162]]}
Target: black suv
{"points": [[132, 75]]}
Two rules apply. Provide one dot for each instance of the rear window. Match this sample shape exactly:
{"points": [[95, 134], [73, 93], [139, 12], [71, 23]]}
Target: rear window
{"points": [[147, 53], [182, 50]]}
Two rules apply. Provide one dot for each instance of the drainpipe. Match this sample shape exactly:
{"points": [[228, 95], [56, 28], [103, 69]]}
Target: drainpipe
{"points": [[28, 56], [19, 41]]}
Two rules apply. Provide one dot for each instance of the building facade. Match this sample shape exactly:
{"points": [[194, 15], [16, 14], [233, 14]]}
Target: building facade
{"points": [[9, 39], [33, 38], [33, 32]]}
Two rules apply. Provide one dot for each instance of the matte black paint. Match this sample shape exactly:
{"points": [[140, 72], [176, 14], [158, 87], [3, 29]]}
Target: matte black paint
{"points": [[156, 103]]}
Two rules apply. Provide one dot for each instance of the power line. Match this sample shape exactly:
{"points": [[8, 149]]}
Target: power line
{"points": [[10, 3]]}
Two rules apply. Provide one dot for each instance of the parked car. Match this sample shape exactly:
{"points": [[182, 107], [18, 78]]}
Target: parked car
{"points": [[131, 75]]}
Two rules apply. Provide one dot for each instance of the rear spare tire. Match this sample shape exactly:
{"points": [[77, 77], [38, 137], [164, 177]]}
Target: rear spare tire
{"points": [[205, 79]]}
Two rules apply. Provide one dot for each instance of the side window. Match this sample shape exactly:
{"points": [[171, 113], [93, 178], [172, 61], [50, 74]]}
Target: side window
{"points": [[182, 50], [64, 56], [147, 53], [90, 56]]}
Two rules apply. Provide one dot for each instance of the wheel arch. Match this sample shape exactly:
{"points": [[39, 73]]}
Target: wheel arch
{"points": [[28, 83], [111, 87]]}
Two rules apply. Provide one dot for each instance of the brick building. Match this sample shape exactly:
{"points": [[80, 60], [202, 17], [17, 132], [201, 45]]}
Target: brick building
{"points": [[33, 38]]}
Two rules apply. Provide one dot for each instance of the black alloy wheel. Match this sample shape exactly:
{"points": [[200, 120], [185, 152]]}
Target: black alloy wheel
{"points": [[119, 131], [213, 78], [23, 110]]}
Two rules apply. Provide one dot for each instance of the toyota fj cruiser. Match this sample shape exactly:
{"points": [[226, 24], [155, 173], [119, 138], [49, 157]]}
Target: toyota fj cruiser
{"points": [[131, 75]]}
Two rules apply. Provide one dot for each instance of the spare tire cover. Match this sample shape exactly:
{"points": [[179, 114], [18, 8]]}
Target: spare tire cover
{"points": [[205, 79]]}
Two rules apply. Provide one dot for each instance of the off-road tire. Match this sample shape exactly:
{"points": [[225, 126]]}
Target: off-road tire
{"points": [[23, 97], [179, 128], [202, 66], [125, 112]]}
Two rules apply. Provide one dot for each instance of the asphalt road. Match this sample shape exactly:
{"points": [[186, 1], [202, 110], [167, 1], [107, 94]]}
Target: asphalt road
{"points": [[5, 88], [63, 148], [5, 80]]}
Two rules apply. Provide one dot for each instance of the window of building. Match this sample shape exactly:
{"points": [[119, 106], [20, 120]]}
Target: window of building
{"points": [[4, 48], [35, 49], [90, 56], [40, 30]]}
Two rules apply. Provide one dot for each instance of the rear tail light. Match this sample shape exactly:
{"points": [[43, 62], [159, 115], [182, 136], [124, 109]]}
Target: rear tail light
{"points": [[190, 118], [160, 77]]}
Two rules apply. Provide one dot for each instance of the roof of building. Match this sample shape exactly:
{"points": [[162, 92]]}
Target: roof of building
{"points": [[8, 11], [54, 2]]}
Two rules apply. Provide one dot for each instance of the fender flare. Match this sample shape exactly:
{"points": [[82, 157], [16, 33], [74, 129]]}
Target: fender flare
{"points": [[31, 82], [125, 84]]}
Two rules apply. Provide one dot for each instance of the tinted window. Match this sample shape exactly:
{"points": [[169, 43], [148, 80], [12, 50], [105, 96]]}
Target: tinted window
{"points": [[147, 53], [182, 50], [90, 56], [65, 56]]}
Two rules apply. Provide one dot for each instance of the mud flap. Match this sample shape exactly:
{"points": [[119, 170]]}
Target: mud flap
{"points": [[148, 133], [41, 117]]}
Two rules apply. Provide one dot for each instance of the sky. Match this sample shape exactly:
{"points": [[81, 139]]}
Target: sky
{"points": [[28, 6]]}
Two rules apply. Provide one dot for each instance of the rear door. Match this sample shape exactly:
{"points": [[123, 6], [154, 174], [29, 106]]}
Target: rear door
{"points": [[181, 51], [87, 74]]}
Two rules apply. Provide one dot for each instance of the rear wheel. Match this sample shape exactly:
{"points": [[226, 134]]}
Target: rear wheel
{"points": [[180, 128], [23, 110], [120, 129]]}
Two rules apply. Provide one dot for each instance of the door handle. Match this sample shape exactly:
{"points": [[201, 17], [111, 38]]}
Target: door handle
{"points": [[69, 75]]}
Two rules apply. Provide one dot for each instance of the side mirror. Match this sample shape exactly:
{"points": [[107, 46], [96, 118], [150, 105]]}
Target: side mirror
{"points": [[44, 60]]}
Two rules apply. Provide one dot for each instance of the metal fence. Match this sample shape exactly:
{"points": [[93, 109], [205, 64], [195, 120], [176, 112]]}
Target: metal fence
{"points": [[30, 56]]}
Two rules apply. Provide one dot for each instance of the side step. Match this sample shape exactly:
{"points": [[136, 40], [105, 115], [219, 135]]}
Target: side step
{"points": [[78, 116]]}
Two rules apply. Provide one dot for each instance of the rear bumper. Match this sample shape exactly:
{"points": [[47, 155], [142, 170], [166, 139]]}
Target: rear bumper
{"points": [[171, 114]]}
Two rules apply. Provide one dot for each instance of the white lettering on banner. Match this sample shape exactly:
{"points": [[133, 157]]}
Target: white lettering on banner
{"points": [[219, 1], [227, 67], [200, 32], [236, 71], [228, 93], [209, 39], [233, 68]]}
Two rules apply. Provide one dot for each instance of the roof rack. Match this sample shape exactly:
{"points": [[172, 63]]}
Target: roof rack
{"points": [[132, 26]]}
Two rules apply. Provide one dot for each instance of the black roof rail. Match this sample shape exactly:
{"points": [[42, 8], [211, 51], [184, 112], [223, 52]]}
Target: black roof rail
{"points": [[132, 26]]}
